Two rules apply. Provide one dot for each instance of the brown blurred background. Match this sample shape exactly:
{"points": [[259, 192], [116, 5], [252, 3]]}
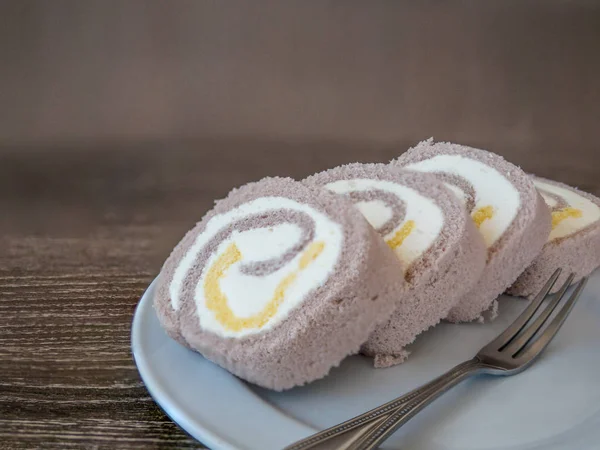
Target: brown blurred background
{"points": [[495, 73], [112, 107], [108, 101]]}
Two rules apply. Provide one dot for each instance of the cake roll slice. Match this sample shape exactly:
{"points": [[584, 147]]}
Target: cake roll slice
{"points": [[441, 250], [504, 204], [278, 283], [574, 242]]}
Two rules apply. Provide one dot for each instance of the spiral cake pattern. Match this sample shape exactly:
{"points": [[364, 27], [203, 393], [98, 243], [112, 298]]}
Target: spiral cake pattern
{"points": [[504, 204], [240, 239], [264, 285], [573, 243], [430, 232]]}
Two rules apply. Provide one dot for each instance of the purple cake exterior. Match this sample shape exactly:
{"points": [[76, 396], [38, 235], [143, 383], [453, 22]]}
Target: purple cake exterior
{"points": [[573, 244], [278, 283], [504, 203], [442, 251]]}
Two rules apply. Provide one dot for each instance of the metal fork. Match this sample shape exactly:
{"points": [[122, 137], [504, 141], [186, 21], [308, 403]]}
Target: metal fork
{"points": [[510, 353]]}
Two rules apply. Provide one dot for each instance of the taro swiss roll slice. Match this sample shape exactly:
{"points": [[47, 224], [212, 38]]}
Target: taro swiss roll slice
{"points": [[573, 244], [278, 283], [504, 204], [442, 252]]}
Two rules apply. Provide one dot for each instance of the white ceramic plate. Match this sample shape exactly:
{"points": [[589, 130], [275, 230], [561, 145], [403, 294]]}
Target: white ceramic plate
{"points": [[553, 405]]}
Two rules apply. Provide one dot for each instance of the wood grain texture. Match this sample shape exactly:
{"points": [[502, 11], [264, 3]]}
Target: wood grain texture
{"points": [[81, 236]]}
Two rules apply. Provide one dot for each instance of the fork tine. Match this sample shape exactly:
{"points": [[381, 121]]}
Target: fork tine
{"points": [[520, 342], [504, 339], [542, 342]]}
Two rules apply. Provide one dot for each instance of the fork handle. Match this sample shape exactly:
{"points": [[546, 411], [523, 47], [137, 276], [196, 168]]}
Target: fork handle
{"points": [[374, 437], [363, 424]]}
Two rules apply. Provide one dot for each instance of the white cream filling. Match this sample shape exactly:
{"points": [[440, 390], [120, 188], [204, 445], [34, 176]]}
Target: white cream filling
{"points": [[428, 217], [247, 295], [280, 237], [491, 189], [590, 212], [549, 200], [458, 192], [376, 212]]}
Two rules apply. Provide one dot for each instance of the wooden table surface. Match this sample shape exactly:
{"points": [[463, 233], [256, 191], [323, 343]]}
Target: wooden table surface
{"points": [[82, 234]]}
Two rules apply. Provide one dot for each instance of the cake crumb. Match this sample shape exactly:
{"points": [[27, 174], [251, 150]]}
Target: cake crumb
{"points": [[382, 361]]}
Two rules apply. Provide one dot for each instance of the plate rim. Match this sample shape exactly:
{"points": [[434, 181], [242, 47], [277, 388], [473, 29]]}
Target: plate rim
{"points": [[206, 437], [204, 430], [193, 427]]}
